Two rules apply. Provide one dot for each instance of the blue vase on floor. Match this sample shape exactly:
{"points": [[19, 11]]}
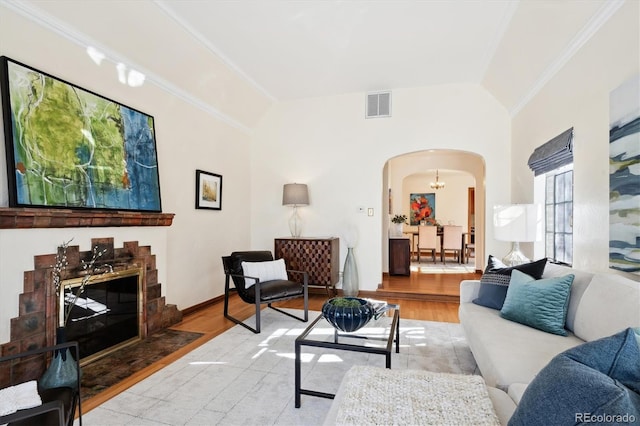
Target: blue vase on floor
{"points": [[350, 284], [63, 370]]}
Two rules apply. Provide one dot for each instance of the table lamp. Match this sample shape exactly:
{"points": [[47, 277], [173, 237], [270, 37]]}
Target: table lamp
{"points": [[516, 223], [295, 194]]}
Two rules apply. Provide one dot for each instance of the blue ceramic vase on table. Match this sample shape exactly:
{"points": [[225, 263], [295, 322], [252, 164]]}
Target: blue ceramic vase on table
{"points": [[345, 318]]}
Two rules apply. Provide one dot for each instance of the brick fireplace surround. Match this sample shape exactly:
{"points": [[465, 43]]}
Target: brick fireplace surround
{"points": [[36, 322]]}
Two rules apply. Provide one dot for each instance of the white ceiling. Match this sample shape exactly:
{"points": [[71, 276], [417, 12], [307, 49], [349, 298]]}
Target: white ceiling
{"points": [[297, 49]]}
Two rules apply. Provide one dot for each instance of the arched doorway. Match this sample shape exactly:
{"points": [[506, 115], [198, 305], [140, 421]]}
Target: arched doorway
{"points": [[412, 172]]}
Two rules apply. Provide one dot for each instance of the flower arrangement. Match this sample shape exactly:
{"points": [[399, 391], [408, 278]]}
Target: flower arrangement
{"points": [[89, 269], [399, 218]]}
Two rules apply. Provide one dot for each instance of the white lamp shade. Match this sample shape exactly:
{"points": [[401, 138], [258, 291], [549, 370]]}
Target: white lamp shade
{"points": [[295, 194], [516, 222]]}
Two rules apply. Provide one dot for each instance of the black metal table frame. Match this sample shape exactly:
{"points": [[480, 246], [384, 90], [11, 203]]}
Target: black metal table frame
{"points": [[300, 341]]}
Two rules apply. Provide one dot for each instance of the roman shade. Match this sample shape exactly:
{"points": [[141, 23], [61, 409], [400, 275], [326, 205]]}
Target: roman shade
{"points": [[553, 154]]}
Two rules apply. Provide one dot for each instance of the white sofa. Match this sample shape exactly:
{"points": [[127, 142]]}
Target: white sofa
{"points": [[509, 354]]}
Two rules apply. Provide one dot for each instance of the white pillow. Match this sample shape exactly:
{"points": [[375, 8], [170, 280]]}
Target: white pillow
{"points": [[18, 397], [266, 271]]}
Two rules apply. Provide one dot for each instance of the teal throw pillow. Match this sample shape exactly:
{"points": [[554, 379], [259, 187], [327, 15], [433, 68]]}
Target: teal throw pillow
{"points": [[597, 382], [541, 304]]}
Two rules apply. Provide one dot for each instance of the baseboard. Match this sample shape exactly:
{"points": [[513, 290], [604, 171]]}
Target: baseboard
{"points": [[202, 305]]}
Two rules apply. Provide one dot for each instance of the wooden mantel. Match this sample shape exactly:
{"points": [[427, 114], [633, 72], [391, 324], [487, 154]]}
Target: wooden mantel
{"points": [[26, 218]]}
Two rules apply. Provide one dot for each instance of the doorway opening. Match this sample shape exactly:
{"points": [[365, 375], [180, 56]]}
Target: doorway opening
{"points": [[458, 200]]}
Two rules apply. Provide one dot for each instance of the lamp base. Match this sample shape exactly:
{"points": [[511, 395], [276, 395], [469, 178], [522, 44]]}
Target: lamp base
{"points": [[295, 224], [515, 257]]}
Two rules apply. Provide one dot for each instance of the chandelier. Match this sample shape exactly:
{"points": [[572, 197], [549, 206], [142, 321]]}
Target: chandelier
{"points": [[437, 184]]}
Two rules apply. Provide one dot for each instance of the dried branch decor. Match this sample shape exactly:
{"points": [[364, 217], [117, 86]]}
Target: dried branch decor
{"points": [[89, 270]]}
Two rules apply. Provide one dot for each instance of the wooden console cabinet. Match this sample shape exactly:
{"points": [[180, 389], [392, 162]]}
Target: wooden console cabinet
{"points": [[399, 256], [319, 257]]}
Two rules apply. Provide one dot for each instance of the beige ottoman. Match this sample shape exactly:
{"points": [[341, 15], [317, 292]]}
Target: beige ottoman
{"points": [[375, 396]]}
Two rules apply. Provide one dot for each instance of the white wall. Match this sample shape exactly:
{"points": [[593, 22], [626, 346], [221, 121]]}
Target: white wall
{"points": [[188, 253], [329, 145], [578, 97], [451, 202]]}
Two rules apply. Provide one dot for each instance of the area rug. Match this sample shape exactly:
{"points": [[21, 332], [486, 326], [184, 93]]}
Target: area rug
{"points": [[106, 372], [428, 267], [241, 378]]}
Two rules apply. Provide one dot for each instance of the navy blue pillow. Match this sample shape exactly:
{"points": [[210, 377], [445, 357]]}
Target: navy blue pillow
{"points": [[597, 382], [495, 280]]}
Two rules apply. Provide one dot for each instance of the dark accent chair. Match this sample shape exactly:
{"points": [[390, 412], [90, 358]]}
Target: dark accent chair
{"points": [[58, 404], [262, 292]]}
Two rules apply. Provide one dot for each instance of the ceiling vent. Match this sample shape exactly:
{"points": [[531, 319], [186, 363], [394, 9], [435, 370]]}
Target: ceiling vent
{"points": [[378, 104]]}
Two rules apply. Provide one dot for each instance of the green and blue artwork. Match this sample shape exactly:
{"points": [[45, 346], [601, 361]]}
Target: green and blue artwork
{"points": [[70, 148]]}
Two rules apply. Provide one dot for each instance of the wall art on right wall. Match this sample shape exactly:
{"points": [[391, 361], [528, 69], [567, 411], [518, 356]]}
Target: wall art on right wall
{"points": [[624, 177]]}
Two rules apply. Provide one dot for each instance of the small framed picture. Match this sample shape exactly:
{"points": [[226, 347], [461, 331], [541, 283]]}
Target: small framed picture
{"points": [[208, 190]]}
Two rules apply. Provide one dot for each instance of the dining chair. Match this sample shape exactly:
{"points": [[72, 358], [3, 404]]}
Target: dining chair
{"points": [[470, 246], [451, 240], [428, 240]]}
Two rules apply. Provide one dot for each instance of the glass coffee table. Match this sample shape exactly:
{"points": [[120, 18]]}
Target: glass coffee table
{"points": [[321, 334]]}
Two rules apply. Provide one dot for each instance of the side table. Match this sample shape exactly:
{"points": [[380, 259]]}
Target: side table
{"points": [[318, 257], [399, 256]]}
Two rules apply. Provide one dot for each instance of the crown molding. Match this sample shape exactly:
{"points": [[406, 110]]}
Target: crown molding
{"points": [[580, 39], [43, 19]]}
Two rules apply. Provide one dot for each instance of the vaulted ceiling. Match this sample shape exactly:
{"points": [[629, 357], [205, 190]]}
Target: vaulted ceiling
{"points": [[295, 49]]}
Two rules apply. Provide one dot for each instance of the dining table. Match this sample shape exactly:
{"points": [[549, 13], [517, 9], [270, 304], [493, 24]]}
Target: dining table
{"points": [[416, 236]]}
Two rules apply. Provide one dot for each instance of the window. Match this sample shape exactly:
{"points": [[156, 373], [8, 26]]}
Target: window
{"points": [[559, 215]]}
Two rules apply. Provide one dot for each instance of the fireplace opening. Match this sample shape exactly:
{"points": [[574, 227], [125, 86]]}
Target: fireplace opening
{"points": [[107, 315]]}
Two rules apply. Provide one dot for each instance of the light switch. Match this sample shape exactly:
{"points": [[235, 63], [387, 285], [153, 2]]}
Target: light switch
{"points": [[370, 211]]}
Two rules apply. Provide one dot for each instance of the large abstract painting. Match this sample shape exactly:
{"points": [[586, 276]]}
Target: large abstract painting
{"points": [[624, 177], [423, 208], [70, 148]]}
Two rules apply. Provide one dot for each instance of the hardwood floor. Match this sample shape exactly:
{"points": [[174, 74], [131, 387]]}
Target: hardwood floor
{"points": [[430, 297], [445, 287]]}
